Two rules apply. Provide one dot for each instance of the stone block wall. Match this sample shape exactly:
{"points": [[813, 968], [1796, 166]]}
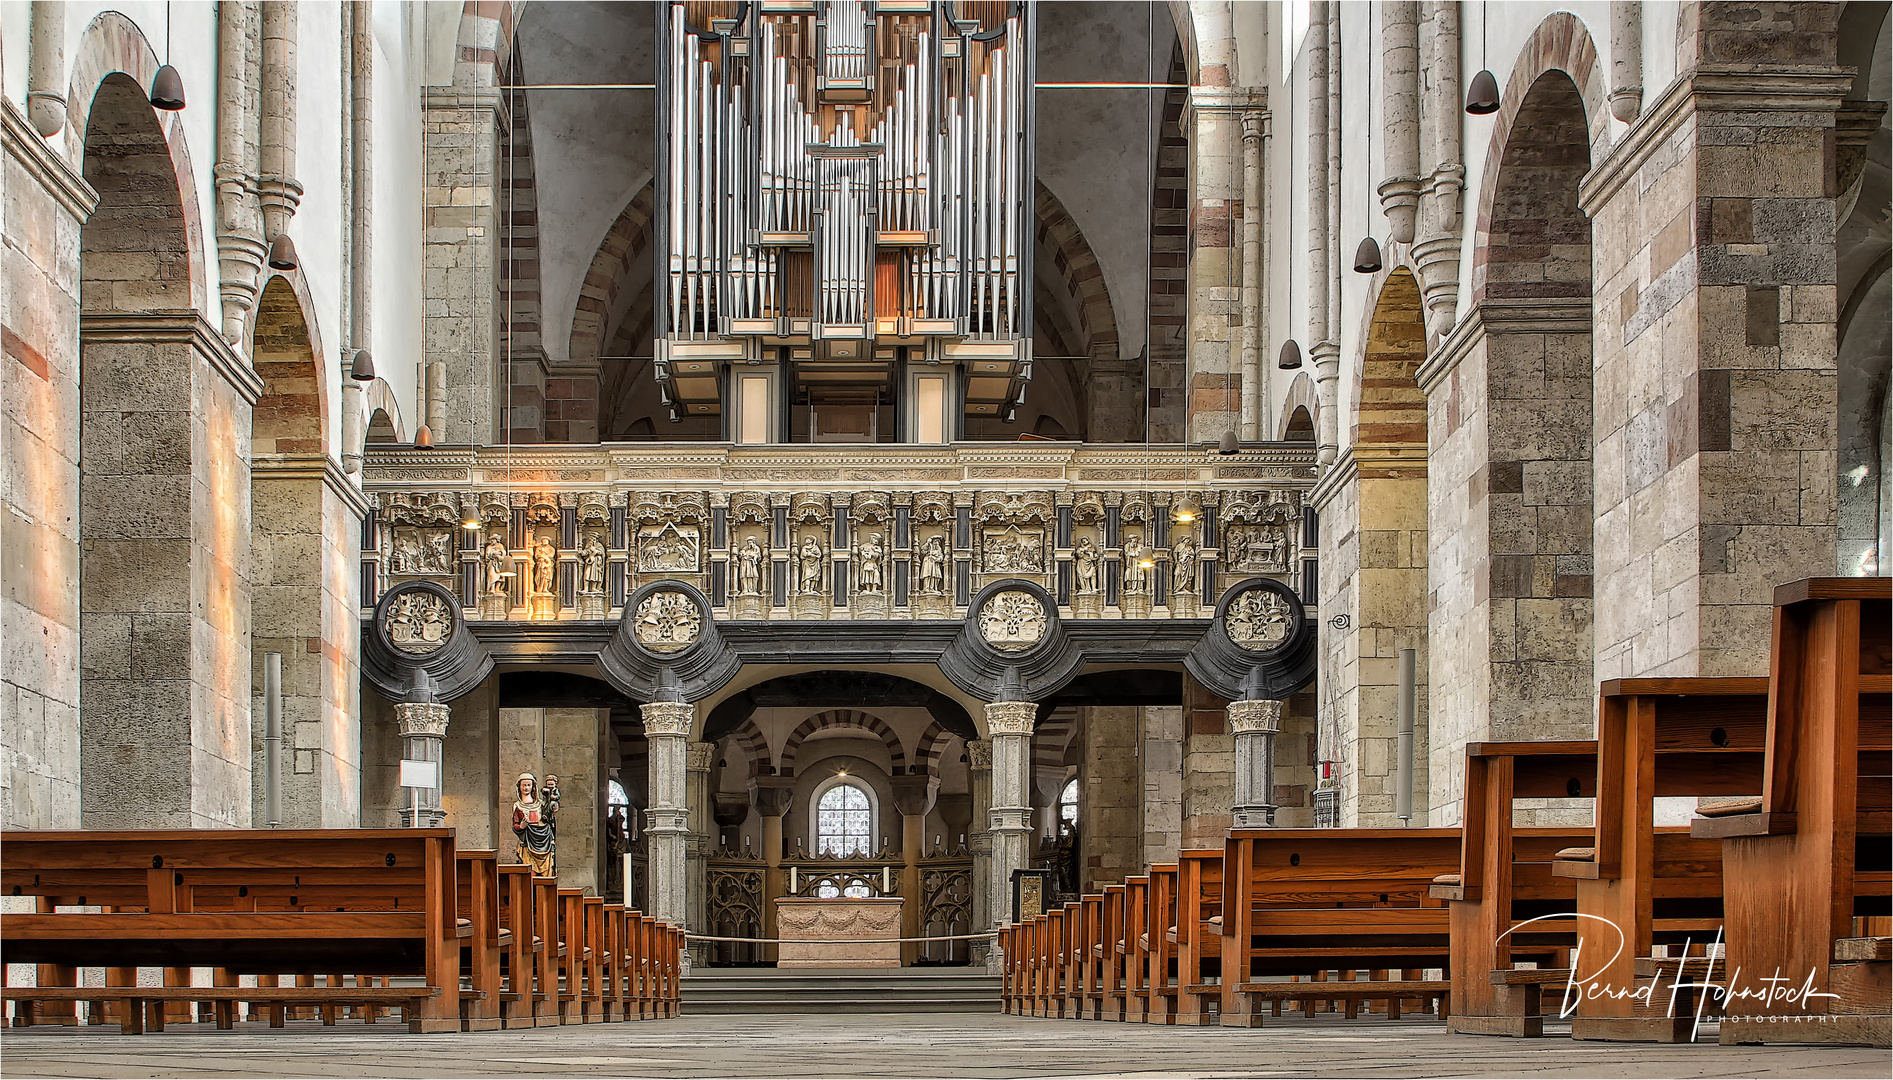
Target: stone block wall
{"points": [[42, 202], [1163, 735], [1715, 345], [460, 293], [570, 744], [1110, 799], [1373, 508]]}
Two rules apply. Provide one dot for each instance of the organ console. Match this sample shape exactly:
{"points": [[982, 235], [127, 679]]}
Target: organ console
{"points": [[846, 215]]}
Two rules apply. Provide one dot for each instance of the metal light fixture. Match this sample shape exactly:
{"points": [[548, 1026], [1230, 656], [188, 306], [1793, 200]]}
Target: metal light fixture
{"points": [[362, 367], [423, 438], [1367, 256], [1186, 510], [1290, 357], [167, 89], [282, 253], [1482, 96], [1230, 444], [472, 522]]}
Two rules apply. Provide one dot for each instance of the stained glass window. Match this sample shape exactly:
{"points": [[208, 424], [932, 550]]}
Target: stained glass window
{"points": [[844, 822], [617, 797], [1068, 806]]}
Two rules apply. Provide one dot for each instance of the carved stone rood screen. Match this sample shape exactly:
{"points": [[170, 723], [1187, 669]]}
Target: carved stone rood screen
{"points": [[824, 533]]}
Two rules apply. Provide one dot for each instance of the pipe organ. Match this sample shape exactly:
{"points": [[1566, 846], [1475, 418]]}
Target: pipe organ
{"points": [[846, 222]]}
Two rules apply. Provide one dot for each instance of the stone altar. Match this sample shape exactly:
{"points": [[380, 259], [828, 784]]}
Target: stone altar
{"points": [[818, 921]]}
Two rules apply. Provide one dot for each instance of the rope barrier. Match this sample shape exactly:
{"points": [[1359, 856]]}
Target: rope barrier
{"points": [[841, 940]]}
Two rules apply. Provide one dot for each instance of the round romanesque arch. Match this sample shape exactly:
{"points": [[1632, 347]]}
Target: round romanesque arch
{"points": [[1389, 408], [141, 155], [840, 718], [291, 416], [1552, 121]]}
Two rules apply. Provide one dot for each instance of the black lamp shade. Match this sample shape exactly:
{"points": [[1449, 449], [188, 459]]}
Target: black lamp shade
{"points": [[1229, 444], [167, 90], [1367, 256], [423, 438], [362, 367], [1482, 96], [1290, 358], [282, 253]]}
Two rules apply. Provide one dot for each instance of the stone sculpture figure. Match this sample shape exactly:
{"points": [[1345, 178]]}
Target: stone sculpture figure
{"points": [[439, 553], [1084, 560], [1136, 575], [809, 576], [868, 563], [545, 557], [594, 560], [493, 566], [533, 826], [1183, 557], [933, 560], [749, 569]]}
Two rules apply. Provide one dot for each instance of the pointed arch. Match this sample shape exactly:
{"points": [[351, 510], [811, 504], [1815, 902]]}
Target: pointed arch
{"points": [[840, 718]]}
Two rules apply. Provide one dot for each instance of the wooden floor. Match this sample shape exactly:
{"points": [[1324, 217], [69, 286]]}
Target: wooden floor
{"points": [[883, 1045]]}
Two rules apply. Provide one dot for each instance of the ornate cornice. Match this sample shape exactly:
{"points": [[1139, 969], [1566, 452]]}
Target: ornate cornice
{"points": [[44, 164]]}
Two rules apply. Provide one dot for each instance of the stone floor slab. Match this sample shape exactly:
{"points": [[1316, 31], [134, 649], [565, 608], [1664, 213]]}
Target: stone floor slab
{"points": [[897, 1045]]}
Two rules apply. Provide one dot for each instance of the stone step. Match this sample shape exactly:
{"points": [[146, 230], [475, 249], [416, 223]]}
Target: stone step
{"points": [[895, 990]]}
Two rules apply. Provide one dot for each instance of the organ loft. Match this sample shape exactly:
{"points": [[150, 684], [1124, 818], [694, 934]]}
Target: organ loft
{"points": [[885, 470], [845, 236]]}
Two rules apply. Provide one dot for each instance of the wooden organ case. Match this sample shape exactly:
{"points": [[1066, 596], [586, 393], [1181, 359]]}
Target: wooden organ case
{"points": [[846, 225]]}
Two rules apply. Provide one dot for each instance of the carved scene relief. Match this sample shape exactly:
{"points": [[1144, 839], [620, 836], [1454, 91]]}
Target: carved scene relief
{"points": [[415, 552], [1012, 550], [669, 549]]}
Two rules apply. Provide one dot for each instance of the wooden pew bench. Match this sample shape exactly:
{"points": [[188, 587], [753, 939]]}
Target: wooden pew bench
{"points": [[249, 902], [1304, 902], [1807, 864]]}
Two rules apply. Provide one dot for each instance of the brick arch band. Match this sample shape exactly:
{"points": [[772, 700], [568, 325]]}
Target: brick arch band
{"points": [[840, 718]]}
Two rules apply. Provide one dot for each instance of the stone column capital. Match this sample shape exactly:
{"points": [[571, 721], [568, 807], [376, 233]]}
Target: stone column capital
{"points": [[670, 719], [698, 756], [1016, 718], [772, 794], [913, 793], [979, 755], [1255, 717], [421, 719]]}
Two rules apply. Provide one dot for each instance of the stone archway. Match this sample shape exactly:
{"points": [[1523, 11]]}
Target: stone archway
{"points": [[164, 485], [1510, 407], [305, 538]]}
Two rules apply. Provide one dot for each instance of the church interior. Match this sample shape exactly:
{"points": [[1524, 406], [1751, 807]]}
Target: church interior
{"points": [[976, 488]]}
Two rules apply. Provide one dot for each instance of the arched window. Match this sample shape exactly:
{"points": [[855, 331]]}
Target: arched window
{"points": [[617, 797], [1068, 807], [844, 822]]}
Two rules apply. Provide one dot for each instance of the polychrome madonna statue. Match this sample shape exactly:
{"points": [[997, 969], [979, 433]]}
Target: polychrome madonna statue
{"points": [[532, 824]]}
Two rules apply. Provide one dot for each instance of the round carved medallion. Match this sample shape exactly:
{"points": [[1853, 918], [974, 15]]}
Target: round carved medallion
{"points": [[1258, 620], [667, 621], [418, 621], [1012, 621]]}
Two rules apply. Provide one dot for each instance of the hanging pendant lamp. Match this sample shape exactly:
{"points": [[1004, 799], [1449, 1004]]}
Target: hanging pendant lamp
{"points": [[1230, 444], [282, 253], [423, 438], [167, 89], [1290, 357], [362, 367], [1482, 96], [1367, 256]]}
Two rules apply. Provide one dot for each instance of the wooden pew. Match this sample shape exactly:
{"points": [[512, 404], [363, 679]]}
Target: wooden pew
{"points": [[1197, 934], [1309, 901], [244, 900], [1110, 968], [1807, 866], [477, 904], [1156, 946], [1081, 924], [1638, 885], [1505, 878], [1130, 949]]}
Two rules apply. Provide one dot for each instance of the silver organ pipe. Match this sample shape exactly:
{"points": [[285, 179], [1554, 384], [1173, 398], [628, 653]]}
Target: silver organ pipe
{"points": [[829, 142]]}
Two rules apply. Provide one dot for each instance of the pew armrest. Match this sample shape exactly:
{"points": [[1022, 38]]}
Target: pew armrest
{"points": [[1451, 887], [1575, 862], [1530, 976], [1717, 828]]}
